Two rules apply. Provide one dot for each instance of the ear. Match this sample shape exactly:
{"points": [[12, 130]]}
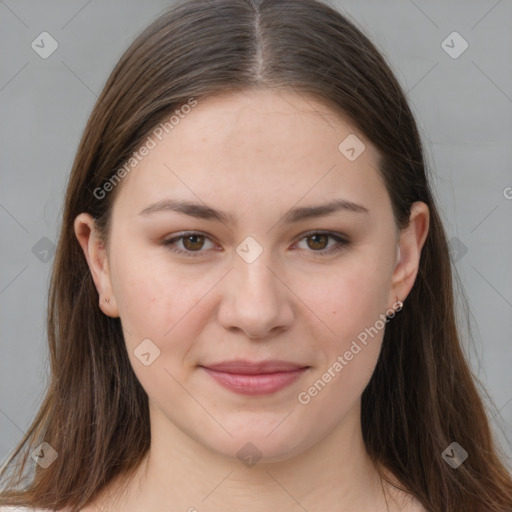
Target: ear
{"points": [[411, 242], [97, 259]]}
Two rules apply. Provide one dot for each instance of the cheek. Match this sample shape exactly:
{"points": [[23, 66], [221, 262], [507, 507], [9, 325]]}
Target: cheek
{"points": [[160, 303], [335, 389], [350, 303], [161, 318], [348, 298]]}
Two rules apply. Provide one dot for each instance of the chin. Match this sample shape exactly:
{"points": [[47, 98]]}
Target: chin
{"points": [[253, 446]]}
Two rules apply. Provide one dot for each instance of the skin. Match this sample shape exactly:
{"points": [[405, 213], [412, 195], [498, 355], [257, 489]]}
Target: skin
{"points": [[254, 155]]}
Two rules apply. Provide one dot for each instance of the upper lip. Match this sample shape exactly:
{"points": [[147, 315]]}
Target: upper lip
{"points": [[242, 366]]}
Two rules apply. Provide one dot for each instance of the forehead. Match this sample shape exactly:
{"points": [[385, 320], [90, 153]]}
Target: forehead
{"points": [[255, 149]]}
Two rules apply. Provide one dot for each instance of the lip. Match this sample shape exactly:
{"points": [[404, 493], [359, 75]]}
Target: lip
{"points": [[255, 378]]}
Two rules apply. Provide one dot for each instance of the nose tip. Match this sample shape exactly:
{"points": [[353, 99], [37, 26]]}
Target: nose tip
{"points": [[255, 302], [273, 330]]}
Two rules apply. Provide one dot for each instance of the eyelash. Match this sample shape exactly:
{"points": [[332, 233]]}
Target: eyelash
{"points": [[342, 243]]}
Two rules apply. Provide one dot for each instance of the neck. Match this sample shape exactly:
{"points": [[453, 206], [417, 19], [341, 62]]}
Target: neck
{"points": [[180, 473]]}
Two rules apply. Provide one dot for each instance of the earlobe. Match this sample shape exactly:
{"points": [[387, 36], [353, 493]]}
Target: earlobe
{"points": [[97, 259], [412, 240]]}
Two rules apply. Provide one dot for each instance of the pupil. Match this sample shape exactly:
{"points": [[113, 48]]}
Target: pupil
{"points": [[195, 239], [316, 237], [191, 239]]}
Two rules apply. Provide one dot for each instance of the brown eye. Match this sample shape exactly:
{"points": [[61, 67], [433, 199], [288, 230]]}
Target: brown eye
{"points": [[319, 241], [193, 242]]}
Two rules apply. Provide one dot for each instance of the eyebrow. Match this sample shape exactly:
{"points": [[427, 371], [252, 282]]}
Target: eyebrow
{"points": [[202, 211]]}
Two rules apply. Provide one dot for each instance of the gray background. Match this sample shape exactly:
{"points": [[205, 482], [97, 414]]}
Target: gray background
{"points": [[463, 107]]}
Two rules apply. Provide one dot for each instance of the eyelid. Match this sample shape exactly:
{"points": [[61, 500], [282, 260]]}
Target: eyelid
{"points": [[342, 242], [168, 242]]}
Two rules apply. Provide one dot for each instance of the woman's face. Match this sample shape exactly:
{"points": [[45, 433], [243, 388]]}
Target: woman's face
{"points": [[263, 277]]}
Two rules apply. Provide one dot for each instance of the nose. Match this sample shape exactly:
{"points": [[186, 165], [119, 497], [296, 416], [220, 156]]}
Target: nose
{"points": [[256, 300]]}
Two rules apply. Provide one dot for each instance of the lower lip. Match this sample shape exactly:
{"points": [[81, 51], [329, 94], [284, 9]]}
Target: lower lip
{"points": [[258, 384]]}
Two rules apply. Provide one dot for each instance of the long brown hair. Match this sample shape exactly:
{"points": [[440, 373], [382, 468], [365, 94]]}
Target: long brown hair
{"points": [[422, 395]]}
